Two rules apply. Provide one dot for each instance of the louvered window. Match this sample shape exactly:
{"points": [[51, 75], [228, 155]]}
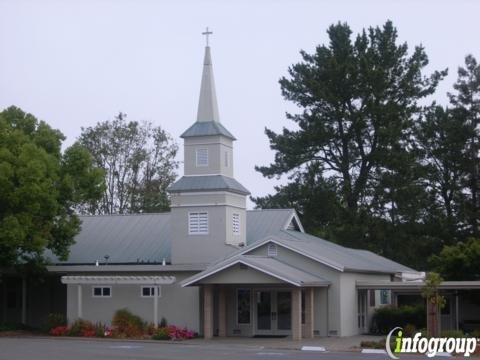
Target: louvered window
{"points": [[272, 250], [202, 157], [198, 223], [236, 223]]}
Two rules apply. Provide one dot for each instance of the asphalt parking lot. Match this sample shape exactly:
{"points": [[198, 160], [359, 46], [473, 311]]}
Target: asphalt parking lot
{"points": [[72, 349]]}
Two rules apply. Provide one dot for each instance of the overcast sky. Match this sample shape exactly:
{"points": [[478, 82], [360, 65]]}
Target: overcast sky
{"points": [[75, 63]]}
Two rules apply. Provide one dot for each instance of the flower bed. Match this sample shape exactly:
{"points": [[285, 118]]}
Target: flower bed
{"points": [[125, 325]]}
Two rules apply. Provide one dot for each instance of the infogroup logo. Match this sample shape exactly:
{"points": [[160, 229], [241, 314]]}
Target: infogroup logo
{"points": [[429, 346]]}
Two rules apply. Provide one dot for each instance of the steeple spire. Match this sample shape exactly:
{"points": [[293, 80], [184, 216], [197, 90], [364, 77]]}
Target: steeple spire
{"points": [[207, 105]]}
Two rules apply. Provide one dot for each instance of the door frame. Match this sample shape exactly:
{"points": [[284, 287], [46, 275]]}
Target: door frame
{"points": [[273, 310]]}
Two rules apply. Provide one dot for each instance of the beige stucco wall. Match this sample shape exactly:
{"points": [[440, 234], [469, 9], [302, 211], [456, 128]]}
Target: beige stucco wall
{"points": [[204, 248], [180, 306], [217, 146], [349, 297]]}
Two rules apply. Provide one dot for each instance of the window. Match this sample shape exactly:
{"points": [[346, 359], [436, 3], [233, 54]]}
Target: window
{"points": [[102, 291], [198, 223], [149, 291], [243, 306], [226, 158], [384, 297], [272, 250], [202, 157], [236, 223]]}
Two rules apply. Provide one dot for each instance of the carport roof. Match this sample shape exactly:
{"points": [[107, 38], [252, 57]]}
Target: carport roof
{"points": [[416, 285], [267, 265]]}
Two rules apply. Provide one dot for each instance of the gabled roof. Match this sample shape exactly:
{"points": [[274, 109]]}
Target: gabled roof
{"points": [[264, 222], [145, 239], [330, 254], [207, 182], [137, 239], [267, 265]]}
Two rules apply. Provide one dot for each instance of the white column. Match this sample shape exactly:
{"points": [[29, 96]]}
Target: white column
{"points": [[156, 290], [24, 300], [79, 301]]}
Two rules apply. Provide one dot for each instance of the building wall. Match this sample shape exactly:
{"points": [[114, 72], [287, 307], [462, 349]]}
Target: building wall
{"points": [[217, 147], [348, 298], [204, 249], [180, 306], [238, 275]]}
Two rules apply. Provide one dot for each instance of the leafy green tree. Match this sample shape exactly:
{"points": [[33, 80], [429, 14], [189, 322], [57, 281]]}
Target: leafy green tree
{"points": [[358, 99], [435, 302], [460, 261], [466, 101], [139, 163], [40, 187]]}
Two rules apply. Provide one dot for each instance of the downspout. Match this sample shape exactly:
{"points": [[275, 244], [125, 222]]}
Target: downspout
{"points": [[328, 313]]}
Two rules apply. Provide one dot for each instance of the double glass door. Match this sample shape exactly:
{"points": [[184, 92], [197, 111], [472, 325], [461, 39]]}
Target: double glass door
{"points": [[273, 312]]}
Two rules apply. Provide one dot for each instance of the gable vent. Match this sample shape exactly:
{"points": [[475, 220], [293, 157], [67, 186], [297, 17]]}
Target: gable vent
{"points": [[272, 250]]}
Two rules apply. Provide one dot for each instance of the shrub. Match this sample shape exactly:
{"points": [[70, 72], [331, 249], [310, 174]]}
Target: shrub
{"points": [[163, 322], [54, 320], [380, 344], [173, 333], [409, 330], [127, 324], [452, 333], [386, 318], [161, 334], [61, 330], [100, 329], [82, 328], [10, 327]]}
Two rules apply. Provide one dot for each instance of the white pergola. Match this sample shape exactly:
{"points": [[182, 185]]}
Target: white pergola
{"points": [[154, 281]]}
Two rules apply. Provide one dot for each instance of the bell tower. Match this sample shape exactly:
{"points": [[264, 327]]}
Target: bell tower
{"points": [[208, 204]]}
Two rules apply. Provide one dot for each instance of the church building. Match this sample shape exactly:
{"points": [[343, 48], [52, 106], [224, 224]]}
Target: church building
{"points": [[210, 264]]}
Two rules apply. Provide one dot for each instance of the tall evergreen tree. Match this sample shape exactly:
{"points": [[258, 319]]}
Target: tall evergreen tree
{"points": [[466, 101], [359, 99]]}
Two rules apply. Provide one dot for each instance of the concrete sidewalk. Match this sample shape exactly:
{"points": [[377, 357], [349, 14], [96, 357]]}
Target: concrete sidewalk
{"points": [[351, 343]]}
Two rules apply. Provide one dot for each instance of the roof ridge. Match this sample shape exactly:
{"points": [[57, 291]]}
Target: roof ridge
{"points": [[132, 214], [274, 209]]}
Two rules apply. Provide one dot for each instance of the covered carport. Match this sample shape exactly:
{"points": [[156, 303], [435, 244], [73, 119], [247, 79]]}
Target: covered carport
{"points": [[462, 309]]}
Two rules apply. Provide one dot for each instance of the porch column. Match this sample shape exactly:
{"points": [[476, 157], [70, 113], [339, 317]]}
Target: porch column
{"points": [[222, 312], [156, 290], [79, 301], [309, 313], [296, 314], [456, 311], [208, 311], [24, 300]]}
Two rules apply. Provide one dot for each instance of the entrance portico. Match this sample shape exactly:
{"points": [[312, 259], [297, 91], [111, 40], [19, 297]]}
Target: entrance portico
{"points": [[257, 310], [257, 296]]}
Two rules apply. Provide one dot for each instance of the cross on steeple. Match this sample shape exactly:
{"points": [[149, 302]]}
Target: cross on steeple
{"points": [[207, 33]]}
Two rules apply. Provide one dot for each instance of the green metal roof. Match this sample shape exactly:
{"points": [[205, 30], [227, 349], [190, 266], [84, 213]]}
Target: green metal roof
{"points": [[208, 183], [207, 128]]}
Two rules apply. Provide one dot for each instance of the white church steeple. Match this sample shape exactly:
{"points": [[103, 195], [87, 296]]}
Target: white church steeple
{"points": [[208, 206], [207, 104]]}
